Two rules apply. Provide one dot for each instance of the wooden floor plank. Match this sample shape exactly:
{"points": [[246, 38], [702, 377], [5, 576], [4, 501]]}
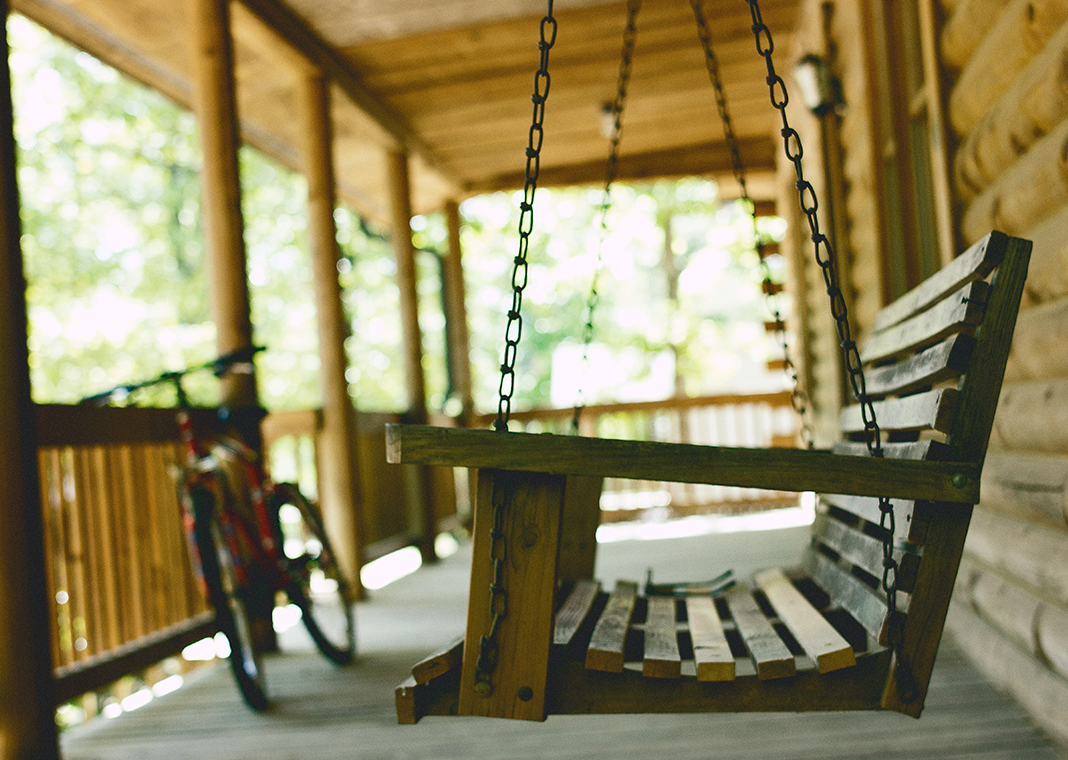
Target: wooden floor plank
{"points": [[711, 652]]}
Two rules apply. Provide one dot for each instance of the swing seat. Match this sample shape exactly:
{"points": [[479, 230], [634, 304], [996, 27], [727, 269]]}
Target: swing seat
{"points": [[810, 637]]}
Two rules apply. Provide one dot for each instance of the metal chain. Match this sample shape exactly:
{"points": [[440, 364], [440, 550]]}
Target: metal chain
{"points": [[486, 662], [514, 329], [798, 397], [611, 168], [850, 354]]}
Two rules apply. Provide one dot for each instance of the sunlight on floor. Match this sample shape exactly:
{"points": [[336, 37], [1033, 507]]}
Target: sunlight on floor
{"points": [[700, 525]]}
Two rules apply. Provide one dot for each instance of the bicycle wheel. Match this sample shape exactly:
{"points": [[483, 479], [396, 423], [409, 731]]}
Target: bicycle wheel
{"points": [[314, 580], [225, 594]]}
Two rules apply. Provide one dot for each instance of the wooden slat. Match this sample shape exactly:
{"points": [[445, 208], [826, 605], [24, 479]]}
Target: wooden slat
{"points": [[975, 263], [440, 662], [956, 314], [815, 635], [928, 450], [574, 610], [864, 551], [774, 469], [711, 652], [848, 592], [661, 659], [867, 508], [769, 654], [940, 363], [930, 410], [605, 651]]}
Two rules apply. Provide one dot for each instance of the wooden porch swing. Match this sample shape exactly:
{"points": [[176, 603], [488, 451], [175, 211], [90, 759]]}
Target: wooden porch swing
{"points": [[854, 625]]}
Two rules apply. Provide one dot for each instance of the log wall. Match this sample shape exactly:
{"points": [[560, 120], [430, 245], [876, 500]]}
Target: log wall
{"points": [[1006, 76]]}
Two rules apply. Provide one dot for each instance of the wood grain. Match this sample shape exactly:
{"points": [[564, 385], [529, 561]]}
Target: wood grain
{"points": [[605, 651], [817, 637], [711, 652], [769, 654], [661, 658], [778, 469], [576, 607]]}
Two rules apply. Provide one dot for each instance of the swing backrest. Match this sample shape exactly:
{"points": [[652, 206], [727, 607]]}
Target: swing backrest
{"points": [[934, 360]]}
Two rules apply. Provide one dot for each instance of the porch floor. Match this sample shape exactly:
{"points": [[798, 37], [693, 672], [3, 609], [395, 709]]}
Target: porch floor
{"points": [[325, 712]]}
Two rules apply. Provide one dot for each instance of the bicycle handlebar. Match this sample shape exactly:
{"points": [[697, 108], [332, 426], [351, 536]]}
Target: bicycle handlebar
{"points": [[219, 366]]}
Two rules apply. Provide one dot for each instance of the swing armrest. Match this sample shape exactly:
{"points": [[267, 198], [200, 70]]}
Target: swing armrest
{"points": [[774, 469]]}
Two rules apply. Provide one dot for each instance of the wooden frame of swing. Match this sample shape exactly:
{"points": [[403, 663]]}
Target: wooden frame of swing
{"points": [[559, 478]]}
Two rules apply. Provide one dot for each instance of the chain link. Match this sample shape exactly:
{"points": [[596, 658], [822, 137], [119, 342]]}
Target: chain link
{"points": [[488, 649], [611, 168], [851, 356], [798, 398], [514, 329]]}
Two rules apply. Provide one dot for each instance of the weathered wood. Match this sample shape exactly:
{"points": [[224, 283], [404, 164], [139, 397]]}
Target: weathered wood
{"points": [[945, 361], [816, 636], [851, 594], [973, 264], [440, 662], [1006, 604], [867, 507], [711, 652], [1019, 33], [768, 652], [661, 655], [605, 651], [930, 410], [864, 551], [574, 611], [778, 469], [531, 525], [949, 316]]}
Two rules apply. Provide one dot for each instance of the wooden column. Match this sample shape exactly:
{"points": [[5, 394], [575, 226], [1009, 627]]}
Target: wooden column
{"points": [[338, 478], [415, 380], [216, 111], [456, 316], [27, 700]]}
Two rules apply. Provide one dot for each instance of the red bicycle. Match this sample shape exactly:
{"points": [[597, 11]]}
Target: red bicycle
{"points": [[272, 541]]}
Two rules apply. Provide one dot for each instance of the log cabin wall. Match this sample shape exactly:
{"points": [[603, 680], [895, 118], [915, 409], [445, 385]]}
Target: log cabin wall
{"points": [[1002, 91]]}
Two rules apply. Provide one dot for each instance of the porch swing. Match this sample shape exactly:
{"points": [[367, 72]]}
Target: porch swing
{"points": [[855, 625]]}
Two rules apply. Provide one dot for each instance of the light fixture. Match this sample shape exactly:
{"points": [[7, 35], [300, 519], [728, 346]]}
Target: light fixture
{"points": [[819, 88]]}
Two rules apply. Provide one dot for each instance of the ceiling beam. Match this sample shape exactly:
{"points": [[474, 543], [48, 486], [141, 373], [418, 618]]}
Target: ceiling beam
{"points": [[712, 158]]}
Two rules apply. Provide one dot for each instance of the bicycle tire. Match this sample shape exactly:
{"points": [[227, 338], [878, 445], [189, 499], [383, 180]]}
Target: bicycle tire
{"points": [[224, 593], [314, 580]]}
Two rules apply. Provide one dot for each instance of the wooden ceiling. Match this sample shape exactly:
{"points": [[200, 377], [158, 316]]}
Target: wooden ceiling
{"points": [[450, 81]]}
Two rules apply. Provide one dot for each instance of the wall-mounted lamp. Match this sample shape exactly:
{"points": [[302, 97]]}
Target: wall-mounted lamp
{"points": [[820, 90]]}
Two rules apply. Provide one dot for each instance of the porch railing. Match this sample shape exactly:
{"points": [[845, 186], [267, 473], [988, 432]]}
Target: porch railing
{"points": [[753, 420], [123, 592]]}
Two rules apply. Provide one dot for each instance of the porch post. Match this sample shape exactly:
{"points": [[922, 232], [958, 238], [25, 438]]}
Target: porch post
{"points": [[338, 475], [216, 111], [27, 699], [456, 316], [401, 212]]}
